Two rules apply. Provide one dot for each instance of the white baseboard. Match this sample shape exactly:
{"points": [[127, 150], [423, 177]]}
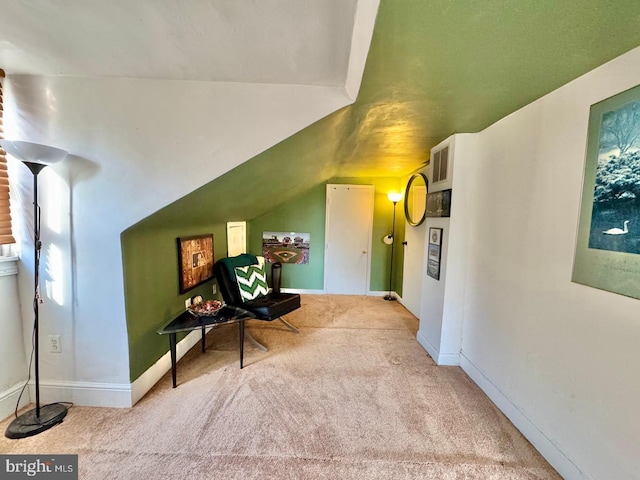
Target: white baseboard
{"points": [[91, 394], [153, 374], [428, 346], [448, 359], [547, 447], [377, 293], [308, 291], [9, 397], [108, 394], [86, 394], [303, 291], [403, 304], [372, 293]]}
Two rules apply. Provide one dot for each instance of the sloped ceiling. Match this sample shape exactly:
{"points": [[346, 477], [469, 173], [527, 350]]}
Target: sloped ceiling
{"points": [[435, 67], [250, 41], [440, 67]]}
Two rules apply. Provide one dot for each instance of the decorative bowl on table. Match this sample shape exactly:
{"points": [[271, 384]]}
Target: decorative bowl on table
{"points": [[208, 308]]}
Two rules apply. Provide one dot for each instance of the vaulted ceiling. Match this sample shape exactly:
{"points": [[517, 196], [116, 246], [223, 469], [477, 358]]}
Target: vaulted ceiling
{"points": [[250, 41], [435, 67]]}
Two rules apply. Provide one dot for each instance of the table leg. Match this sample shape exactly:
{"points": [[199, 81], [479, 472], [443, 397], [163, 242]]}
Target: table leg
{"points": [[172, 345], [241, 327], [203, 340]]}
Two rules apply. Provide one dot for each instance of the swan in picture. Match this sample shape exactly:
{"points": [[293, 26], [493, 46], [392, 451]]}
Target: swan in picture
{"points": [[618, 231]]}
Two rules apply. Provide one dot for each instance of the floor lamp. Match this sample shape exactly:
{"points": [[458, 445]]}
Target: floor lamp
{"points": [[41, 418], [390, 240]]}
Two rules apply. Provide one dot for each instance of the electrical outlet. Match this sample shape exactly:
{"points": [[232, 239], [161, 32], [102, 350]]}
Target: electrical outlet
{"points": [[214, 288], [54, 344], [187, 303]]}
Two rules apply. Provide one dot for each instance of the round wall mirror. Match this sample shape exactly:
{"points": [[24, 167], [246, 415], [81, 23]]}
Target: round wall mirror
{"points": [[415, 199]]}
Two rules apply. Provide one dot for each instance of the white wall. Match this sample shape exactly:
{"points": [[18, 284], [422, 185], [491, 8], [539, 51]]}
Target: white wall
{"points": [[413, 262], [136, 146], [442, 306], [433, 291], [561, 359], [13, 373]]}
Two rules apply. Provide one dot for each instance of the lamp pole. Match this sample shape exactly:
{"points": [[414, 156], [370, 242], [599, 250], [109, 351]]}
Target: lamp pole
{"points": [[41, 418], [395, 198], [37, 249]]}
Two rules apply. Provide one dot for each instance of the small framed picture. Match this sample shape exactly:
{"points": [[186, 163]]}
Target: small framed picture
{"points": [[435, 236], [286, 247], [434, 252], [195, 261], [439, 204]]}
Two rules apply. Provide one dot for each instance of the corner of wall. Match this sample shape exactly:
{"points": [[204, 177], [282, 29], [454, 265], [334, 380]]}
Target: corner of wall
{"points": [[363, 24], [153, 374], [431, 349]]}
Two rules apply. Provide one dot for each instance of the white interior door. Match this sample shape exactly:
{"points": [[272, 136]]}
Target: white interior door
{"points": [[236, 238], [349, 224]]}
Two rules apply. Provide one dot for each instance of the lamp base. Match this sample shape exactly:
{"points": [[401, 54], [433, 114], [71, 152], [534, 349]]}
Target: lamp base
{"points": [[29, 424], [390, 298]]}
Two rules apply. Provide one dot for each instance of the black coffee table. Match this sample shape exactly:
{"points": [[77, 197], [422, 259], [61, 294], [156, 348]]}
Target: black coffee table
{"points": [[187, 321]]}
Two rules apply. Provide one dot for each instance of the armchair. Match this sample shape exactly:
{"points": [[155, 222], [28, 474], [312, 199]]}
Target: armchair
{"points": [[272, 306]]}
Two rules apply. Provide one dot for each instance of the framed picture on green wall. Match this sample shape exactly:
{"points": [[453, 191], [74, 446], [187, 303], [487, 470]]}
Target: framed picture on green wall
{"points": [[195, 261], [608, 246], [286, 247]]}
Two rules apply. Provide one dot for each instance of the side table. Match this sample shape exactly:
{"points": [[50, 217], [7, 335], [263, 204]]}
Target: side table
{"points": [[186, 321]]}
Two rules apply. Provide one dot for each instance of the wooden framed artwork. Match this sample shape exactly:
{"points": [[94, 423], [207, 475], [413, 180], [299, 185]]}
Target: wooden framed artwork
{"points": [[434, 252], [607, 252], [195, 261]]}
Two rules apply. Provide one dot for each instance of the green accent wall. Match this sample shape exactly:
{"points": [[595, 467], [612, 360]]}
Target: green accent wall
{"points": [[307, 213], [150, 258], [304, 213]]}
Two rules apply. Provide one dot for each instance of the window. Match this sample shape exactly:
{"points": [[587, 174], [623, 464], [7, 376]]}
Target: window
{"points": [[6, 235]]}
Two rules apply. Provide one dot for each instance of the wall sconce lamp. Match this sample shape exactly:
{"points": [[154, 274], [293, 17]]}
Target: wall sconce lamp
{"points": [[390, 240]]}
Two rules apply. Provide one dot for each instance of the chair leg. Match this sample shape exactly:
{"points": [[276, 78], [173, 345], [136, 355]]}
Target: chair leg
{"points": [[288, 325], [249, 337]]}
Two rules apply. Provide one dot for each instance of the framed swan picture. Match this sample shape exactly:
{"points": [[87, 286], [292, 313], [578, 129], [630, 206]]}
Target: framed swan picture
{"points": [[607, 252]]}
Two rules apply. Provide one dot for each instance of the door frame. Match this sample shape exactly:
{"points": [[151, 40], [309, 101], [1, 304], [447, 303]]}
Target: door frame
{"points": [[371, 189], [243, 230]]}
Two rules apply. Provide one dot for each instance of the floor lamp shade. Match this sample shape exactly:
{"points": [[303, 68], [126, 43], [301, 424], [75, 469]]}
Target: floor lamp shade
{"points": [[33, 153], [41, 418]]}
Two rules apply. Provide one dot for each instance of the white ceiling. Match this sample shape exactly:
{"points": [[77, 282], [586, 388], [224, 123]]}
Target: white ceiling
{"points": [[254, 41]]}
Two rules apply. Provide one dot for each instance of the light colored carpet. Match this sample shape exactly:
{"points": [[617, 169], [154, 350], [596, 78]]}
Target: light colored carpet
{"points": [[352, 396]]}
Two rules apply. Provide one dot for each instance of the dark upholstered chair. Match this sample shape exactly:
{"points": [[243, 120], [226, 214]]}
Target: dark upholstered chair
{"points": [[272, 306]]}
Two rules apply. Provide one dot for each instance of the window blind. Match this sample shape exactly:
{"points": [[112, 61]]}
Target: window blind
{"points": [[6, 235]]}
